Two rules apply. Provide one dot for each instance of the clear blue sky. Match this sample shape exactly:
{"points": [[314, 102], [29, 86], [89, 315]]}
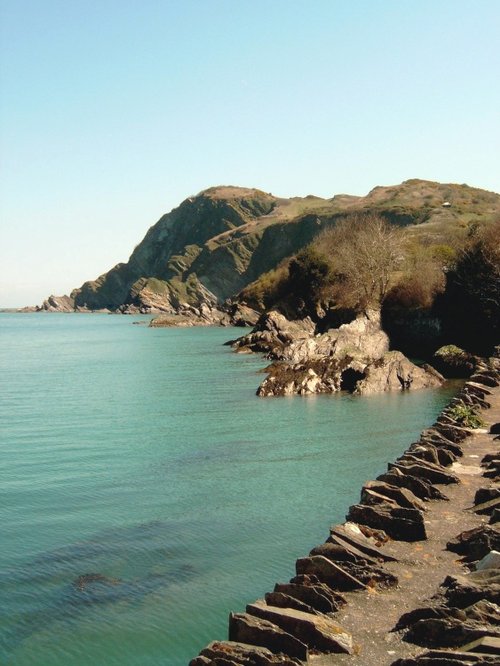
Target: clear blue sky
{"points": [[114, 111]]}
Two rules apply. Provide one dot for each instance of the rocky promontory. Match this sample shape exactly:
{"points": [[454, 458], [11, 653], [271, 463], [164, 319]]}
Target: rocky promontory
{"points": [[353, 357]]}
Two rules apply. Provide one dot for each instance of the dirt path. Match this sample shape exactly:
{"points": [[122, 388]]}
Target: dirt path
{"points": [[422, 566]]}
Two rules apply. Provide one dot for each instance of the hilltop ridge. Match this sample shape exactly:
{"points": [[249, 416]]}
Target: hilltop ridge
{"points": [[220, 240]]}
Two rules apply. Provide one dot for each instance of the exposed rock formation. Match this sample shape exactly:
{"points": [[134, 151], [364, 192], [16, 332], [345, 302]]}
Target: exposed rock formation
{"points": [[353, 357], [57, 304]]}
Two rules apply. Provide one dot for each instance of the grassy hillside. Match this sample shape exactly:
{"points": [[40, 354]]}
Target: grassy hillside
{"points": [[227, 238]]}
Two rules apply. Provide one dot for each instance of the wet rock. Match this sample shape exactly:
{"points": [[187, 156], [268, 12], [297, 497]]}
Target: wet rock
{"points": [[252, 630], [228, 653], [328, 572], [318, 632], [399, 523], [476, 543]]}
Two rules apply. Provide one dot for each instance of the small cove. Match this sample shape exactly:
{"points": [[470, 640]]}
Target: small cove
{"points": [[144, 456]]}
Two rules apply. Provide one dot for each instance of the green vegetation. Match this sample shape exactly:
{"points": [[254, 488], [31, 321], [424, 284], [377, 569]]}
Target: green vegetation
{"points": [[465, 416], [470, 304], [431, 263]]}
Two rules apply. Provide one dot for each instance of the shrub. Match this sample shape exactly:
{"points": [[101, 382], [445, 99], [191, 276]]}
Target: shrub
{"points": [[466, 416]]}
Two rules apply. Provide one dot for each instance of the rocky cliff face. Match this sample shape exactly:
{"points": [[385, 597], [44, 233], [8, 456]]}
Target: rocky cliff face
{"points": [[223, 239]]}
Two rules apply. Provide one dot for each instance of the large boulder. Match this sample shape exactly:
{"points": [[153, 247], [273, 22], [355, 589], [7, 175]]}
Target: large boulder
{"points": [[451, 361], [394, 372]]}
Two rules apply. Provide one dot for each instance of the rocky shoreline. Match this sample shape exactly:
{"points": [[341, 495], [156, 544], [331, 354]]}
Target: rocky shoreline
{"points": [[355, 357], [412, 578]]}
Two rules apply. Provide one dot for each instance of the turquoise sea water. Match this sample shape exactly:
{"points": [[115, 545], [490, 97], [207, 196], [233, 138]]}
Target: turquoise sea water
{"points": [[143, 455]]}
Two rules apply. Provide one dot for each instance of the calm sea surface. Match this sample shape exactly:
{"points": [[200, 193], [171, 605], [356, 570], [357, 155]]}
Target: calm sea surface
{"points": [[143, 455]]}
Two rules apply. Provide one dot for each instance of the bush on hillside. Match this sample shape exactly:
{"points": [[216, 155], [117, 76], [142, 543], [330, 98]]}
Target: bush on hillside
{"points": [[470, 305]]}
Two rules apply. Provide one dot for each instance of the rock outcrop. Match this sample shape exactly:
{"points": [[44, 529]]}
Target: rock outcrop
{"points": [[354, 357], [57, 304]]}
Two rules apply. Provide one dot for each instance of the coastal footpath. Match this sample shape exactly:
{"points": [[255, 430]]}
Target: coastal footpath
{"points": [[412, 578]]}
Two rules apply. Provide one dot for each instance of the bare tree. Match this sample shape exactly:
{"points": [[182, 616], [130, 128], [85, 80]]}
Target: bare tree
{"points": [[364, 251]]}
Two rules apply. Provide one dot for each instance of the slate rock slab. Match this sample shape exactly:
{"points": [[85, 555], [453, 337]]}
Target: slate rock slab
{"points": [[318, 632]]}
